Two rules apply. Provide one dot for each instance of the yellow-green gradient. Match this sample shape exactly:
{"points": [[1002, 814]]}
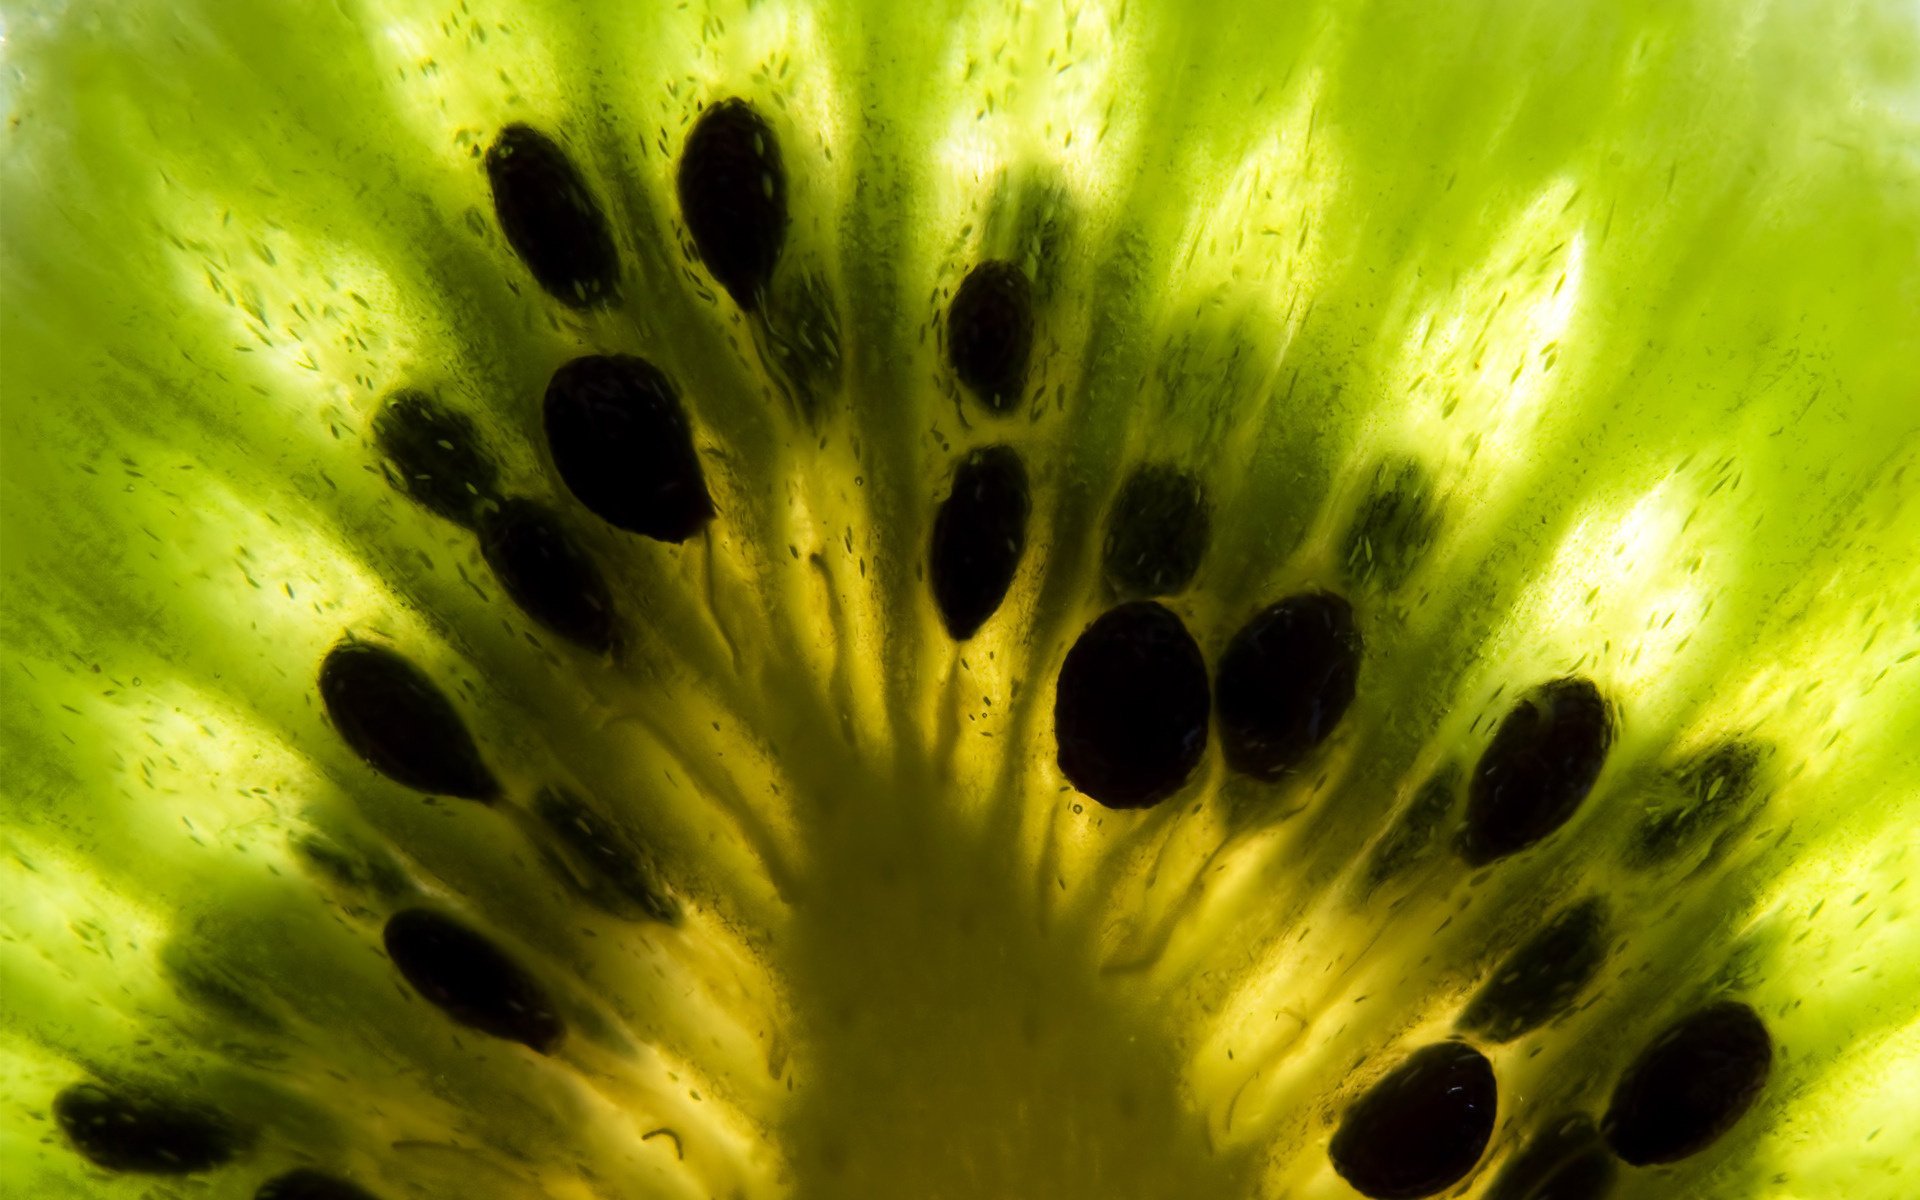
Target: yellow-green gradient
{"points": [[1635, 285]]}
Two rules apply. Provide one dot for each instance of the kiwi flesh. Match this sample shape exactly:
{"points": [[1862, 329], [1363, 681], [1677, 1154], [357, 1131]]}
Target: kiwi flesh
{"points": [[847, 600]]}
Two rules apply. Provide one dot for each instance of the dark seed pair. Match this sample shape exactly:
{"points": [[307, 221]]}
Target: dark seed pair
{"points": [[435, 456], [622, 444], [1684, 1092], [733, 197], [1156, 535], [1423, 1126], [399, 721], [1132, 705], [145, 1133], [404, 726]]}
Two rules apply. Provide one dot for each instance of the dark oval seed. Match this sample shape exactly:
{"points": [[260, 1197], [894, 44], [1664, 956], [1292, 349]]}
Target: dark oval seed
{"points": [[308, 1184], [1130, 712], [733, 197], [1712, 792], [620, 880], [623, 446], [1421, 1129], [1285, 680], [143, 1134], [434, 455], [979, 535], [401, 723], [551, 218], [1690, 1086], [990, 333], [1157, 532], [462, 973], [1543, 976], [1567, 1161], [548, 574], [1541, 764]]}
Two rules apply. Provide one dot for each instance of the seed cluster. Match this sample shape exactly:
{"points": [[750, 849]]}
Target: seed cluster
{"points": [[1136, 703]]}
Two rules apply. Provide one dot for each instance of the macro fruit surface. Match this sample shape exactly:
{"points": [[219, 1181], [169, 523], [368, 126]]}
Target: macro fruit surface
{"points": [[854, 599]]}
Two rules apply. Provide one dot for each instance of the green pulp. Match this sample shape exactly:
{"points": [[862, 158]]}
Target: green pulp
{"points": [[1635, 286]]}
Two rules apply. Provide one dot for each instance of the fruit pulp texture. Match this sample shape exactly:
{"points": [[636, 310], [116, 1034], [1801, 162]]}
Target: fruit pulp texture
{"points": [[1567, 345]]}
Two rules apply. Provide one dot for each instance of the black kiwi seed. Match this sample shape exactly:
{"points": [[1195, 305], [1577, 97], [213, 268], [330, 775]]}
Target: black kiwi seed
{"points": [[1712, 791], [1422, 1127], [308, 1184], [141, 1133], [1392, 528], [551, 219], [1157, 532], [434, 455], [1130, 712], [1543, 976], [462, 973], [1566, 1161], [620, 880], [979, 534], [990, 333], [733, 197], [1285, 680], [1690, 1086], [549, 575], [623, 446], [401, 723], [1542, 762]]}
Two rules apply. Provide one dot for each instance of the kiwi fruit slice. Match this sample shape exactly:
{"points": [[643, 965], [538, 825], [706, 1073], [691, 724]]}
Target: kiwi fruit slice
{"points": [[842, 599]]}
